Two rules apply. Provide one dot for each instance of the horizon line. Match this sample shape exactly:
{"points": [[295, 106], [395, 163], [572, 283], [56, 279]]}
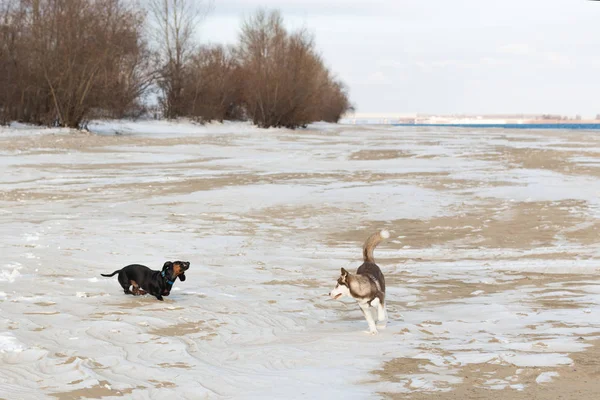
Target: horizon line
{"points": [[458, 115]]}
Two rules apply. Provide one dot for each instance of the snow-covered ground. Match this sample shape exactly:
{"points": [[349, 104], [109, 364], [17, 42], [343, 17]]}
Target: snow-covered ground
{"points": [[492, 259]]}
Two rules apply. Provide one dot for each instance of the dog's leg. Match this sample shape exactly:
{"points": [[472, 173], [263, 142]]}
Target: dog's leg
{"points": [[135, 289], [382, 316], [369, 317], [125, 287], [381, 312], [124, 282]]}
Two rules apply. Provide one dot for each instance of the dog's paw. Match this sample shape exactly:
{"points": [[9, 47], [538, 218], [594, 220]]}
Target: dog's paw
{"points": [[372, 331], [381, 326]]}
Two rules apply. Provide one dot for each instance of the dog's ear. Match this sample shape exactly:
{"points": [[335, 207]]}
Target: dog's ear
{"points": [[344, 273], [181, 277], [167, 265]]}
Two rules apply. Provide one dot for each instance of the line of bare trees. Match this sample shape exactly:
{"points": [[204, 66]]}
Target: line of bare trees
{"points": [[63, 62]]}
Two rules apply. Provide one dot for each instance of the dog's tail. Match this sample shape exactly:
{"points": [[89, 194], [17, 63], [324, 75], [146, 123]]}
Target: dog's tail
{"points": [[372, 242], [113, 274]]}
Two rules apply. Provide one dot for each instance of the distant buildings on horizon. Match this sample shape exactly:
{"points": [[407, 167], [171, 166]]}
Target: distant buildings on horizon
{"points": [[466, 119]]}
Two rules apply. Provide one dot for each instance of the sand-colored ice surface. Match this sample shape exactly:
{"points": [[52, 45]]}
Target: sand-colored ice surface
{"points": [[492, 264]]}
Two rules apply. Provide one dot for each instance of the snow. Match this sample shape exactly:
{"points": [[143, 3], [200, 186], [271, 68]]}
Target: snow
{"points": [[9, 344], [165, 128], [259, 223], [546, 377]]}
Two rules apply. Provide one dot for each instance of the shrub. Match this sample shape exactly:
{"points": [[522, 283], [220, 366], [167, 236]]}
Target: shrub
{"points": [[213, 91], [285, 82], [61, 59]]}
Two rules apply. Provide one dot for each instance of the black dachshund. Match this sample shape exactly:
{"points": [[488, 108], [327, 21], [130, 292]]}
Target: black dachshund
{"points": [[145, 280]]}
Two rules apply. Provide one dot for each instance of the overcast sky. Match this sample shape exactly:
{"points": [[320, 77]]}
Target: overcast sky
{"points": [[447, 56]]}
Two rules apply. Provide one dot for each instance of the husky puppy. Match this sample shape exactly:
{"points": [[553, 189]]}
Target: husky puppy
{"points": [[367, 286]]}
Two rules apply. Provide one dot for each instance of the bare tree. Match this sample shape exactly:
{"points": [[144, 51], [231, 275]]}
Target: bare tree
{"points": [[286, 83], [9, 78], [261, 51], [335, 102], [214, 85], [67, 58], [175, 23]]}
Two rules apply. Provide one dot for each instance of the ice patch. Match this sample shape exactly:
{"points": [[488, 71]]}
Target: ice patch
{"points": [[537, 359], [255, 207], [9, 276], [9, 344], [546, 377], [181, 127], [31, 237]]}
